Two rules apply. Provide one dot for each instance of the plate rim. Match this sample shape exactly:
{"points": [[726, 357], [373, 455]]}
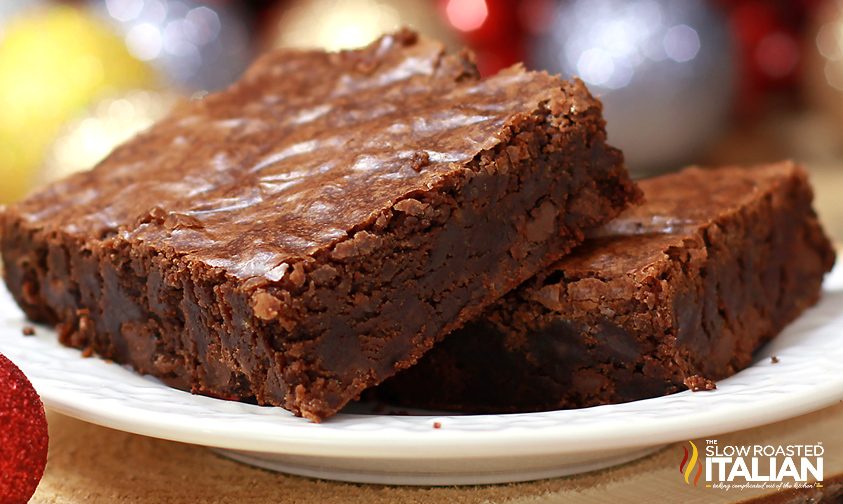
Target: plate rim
{"points": [[332, 437], [481, 444]]}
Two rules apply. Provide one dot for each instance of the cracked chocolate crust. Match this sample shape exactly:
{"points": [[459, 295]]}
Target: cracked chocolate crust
{"points": [[309, 248], [676, 293]]}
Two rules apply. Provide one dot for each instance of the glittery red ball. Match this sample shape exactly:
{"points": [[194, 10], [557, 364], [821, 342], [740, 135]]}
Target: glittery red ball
{"points": [[23, 435]]}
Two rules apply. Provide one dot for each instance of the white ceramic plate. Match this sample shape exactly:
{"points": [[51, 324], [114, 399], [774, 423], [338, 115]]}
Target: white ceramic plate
{"points": [[466, 449]]}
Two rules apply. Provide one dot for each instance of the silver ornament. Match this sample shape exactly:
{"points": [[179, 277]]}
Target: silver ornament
{"points": [[195, 45], [663, 68]]}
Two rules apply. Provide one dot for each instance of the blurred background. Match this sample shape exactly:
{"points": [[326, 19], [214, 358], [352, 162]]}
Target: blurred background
{"points": [[683, 81]]}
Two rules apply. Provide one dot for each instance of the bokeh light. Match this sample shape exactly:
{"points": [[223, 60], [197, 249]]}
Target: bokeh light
{"points": [[829, 43], [193, 44], [681, 43], [345, 24], [467, 15], [85, 141]]}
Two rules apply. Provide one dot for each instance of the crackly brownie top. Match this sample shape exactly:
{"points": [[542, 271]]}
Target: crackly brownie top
{"points": [[307, 147], [676, 206]]}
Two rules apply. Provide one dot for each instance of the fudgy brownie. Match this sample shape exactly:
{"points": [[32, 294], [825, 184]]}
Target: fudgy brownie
{"points": [[316, 227], [672, 294]]}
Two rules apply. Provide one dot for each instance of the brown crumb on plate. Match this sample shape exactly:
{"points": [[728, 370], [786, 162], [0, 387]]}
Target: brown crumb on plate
{"points": [[774, 359], [28, 330], [699, 383], [437, 425]]}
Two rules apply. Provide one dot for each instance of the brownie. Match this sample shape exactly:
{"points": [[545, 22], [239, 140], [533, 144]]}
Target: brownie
{"points": [[318, 226], [673, 294]]}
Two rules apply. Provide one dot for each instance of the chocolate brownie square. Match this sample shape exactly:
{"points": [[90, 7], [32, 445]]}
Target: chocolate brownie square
{"points": [[673, 294], [318, 226]]}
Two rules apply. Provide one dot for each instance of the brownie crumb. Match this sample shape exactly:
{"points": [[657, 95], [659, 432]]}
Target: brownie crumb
{"points": [[699, 383], [154, 215], [266, 305], [182, 221], [28, 330], [419, 160], [437, 425], [87, 352], [774, 359]]}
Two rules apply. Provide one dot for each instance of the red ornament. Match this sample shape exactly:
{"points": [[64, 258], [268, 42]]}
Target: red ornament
{"points": [[491, 28], [23, 435], [769, 36]]}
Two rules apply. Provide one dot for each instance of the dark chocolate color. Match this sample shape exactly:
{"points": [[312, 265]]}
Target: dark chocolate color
{"points": [[318, 226], [673, 294]]}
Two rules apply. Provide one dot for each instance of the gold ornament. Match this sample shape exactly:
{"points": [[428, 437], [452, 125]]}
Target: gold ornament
{"points": [[85, 141], [345, 24], [53, 63]]}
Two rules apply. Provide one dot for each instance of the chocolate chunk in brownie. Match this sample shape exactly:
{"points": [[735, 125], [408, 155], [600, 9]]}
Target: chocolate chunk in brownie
{"points": [[319, 225], [675, 293]]}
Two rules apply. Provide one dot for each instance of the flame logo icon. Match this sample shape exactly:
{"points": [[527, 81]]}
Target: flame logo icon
{"points": [[686, 470]]}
